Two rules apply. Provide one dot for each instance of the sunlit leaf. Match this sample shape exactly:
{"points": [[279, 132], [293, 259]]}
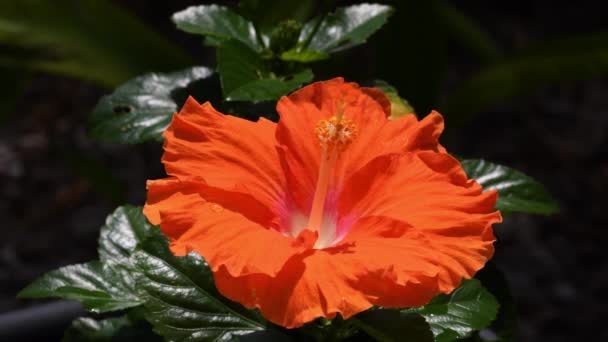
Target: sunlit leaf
{"points": [[516, 191], [182, 303], [105, 285], [124, 229], [468, 308], [142, 108], [100, 288], [345, 28], [399, 106], [218, 22]]}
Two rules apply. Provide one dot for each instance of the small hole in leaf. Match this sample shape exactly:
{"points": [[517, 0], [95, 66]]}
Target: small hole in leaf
{"points": [[122, 109]]}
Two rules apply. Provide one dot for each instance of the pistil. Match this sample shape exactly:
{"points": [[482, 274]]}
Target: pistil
{"points": [[334, 135]]}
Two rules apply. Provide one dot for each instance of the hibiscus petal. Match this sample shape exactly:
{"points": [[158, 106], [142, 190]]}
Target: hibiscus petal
{"points": [[431, 192], [225, 238], [300, 113], [385, 263], [204, 143], [368, 109]]}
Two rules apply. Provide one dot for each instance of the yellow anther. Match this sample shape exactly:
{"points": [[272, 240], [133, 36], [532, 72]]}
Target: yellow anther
{"points": [[336, 133]]}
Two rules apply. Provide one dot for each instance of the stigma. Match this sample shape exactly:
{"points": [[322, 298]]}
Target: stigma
{"points": [[335, 134]]}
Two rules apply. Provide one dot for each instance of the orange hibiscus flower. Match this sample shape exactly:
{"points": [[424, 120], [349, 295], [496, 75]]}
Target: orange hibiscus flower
{"points": [[333, 210]]}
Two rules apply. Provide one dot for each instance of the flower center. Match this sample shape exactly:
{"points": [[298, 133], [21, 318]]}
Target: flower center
{"points": [[334, 134]]}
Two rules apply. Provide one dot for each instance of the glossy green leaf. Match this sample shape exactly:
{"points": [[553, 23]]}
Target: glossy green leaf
{"points": [[125, 228], [100, 288], [505, 324], [516, 191], [565, 59], [245, 77], [345, 28], [182, 303], [114, 329], [468, 308], [218, 22], [388, 325], [105, 285], [303, 56], [142, 108], [399, 106], [89, 39], [270, 89]]}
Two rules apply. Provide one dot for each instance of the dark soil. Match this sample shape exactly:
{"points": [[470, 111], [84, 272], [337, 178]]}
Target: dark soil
{"points": [[52, 203]]}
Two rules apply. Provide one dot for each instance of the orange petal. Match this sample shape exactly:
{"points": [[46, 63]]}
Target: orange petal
{"points": [[431, 192], [385, 263], [227, 152], [301, 111], [225, 238]]}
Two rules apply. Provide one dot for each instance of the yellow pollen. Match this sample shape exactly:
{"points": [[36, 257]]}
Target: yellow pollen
{"points": [[335, 133]]}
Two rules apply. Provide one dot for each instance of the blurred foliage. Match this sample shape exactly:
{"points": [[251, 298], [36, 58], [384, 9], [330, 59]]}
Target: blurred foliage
{"points": [[88, 39], [562, 59]]}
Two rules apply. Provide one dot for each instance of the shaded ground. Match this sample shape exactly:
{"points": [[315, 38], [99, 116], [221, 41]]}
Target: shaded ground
{"points": [[54, 198]]}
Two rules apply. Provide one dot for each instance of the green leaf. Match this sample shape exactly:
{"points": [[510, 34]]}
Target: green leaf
{"points": [[115, 329], [516, 191], [218, 22], [105, 285], [125, 228], [303, 56], [245, 77], [100, 288], [399, 106], [270, 89], [566, 59], [468, 308], [347, 27], [388, 325], [142, 108], [89, 39], [182, 302], [505, 324]]}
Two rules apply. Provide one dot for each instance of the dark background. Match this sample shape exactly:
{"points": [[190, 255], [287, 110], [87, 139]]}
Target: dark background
{"points": [[52, 203]]}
